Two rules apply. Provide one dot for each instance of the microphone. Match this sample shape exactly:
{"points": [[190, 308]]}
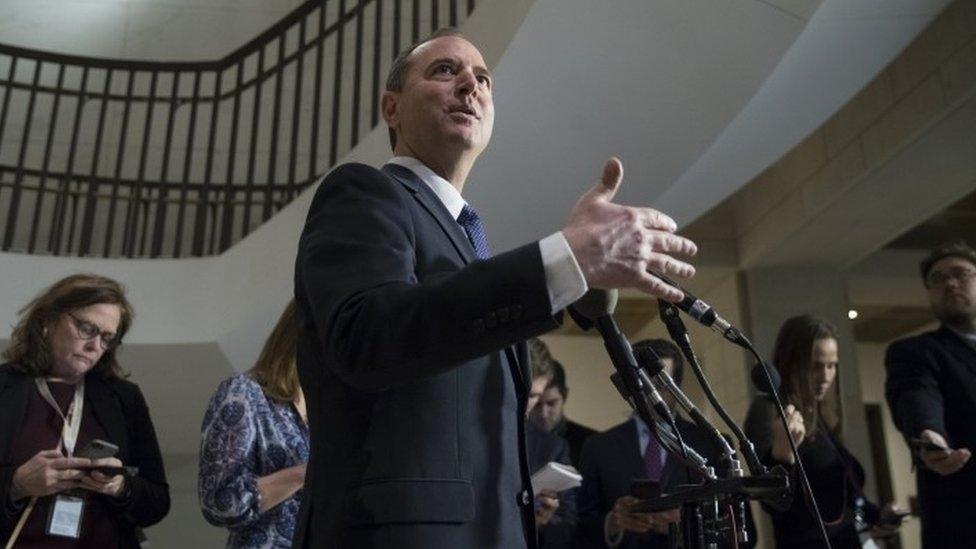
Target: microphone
{"points": [[759, 380], [651, 362], [705, 314], [596, 308]]}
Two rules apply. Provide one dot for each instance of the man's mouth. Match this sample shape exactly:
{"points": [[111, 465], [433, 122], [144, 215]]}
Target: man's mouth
{"points": [[464, 109]]}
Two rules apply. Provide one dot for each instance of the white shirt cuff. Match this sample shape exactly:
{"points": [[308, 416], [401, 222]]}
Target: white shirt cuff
{"points": [[564, 279]]}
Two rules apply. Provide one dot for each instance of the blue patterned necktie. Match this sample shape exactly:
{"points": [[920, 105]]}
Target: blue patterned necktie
{"points": [[475, 229]]}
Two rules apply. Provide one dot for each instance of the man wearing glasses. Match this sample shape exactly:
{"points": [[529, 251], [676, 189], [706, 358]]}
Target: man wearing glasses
{"points": [[931, 389]]}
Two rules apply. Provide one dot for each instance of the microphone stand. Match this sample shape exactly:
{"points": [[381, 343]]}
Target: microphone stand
{"points": [[643, 397]]}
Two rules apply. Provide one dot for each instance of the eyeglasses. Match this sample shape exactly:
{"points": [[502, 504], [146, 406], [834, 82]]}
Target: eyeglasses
{"points": [[88, 331], [939, 279]]}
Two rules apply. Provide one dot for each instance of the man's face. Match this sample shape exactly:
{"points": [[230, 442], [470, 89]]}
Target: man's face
{"points": [[951, 286], [549, 412], [445, 105], [535, 392]]}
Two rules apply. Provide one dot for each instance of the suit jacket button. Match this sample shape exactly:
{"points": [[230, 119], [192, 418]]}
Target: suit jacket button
{"points": [[479, 326], [516, 311], [491, 320]]}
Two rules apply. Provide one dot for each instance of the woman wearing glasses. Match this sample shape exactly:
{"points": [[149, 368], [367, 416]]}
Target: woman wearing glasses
{"points": [[255, 445], [61, 388]]}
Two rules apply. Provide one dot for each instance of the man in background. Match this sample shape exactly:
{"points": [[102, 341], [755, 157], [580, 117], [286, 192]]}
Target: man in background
{"points": [[555, 514], [549, 414], [931, 390], [612, 460]]}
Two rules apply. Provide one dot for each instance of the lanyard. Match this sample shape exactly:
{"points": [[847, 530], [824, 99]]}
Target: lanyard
{"points": [[72, 422]]}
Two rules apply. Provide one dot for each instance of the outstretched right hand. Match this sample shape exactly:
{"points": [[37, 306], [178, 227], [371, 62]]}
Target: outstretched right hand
{"points": [[48, 472], [945, 462], [619, 246]]}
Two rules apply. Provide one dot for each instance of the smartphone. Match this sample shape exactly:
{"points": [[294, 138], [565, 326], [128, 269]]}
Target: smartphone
{"points": [[98, 449], [895, 518], [112, 470], [922, 445]]}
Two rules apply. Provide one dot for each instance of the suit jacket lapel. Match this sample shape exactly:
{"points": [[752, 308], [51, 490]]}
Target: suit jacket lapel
{"points": [[423, 194], [107, 411], [961, 349], [430, 202]]}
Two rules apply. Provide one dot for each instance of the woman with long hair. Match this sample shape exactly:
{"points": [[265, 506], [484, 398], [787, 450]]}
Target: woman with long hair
{"points": [[806, 356], [255, 445], [61, 395]]}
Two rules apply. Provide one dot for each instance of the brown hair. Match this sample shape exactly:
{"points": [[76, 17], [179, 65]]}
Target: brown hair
{"points": [[958, 248], [792, 355], [396, 79], [275, 369], [29, 350], [540, 359]]}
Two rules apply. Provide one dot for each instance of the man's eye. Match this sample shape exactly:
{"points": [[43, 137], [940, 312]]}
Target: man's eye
{"points": [[484, 80], [445, 69]]}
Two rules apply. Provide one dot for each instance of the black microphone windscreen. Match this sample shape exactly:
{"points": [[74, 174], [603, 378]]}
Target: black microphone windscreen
{"points": [[596, 303], [648, 359], [759, 380]]}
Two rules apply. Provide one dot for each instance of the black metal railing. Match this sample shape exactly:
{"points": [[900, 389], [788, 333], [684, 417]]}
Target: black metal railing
{"points": [[116, 158]]}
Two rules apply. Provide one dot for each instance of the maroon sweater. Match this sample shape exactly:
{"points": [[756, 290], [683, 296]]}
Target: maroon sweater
{"points": [[40, 430]]}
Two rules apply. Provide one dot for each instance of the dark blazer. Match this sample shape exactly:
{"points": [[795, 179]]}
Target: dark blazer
{"points": [[575, 434], [543, 447], [931, 384], [415, 378], [612, 460], [120, 408]]}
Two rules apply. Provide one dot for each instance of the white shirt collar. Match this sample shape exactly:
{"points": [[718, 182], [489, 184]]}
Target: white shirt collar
{"points": [[447, 193]]}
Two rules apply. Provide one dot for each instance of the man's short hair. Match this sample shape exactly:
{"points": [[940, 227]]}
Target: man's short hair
{"points": [[958, 248], [558, 381], [396, 79], [540, 359], [665, 349]]}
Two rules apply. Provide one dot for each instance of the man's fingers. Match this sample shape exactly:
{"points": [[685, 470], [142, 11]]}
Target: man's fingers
{"points": [[653, 219], [653, 285], [667, 265]]}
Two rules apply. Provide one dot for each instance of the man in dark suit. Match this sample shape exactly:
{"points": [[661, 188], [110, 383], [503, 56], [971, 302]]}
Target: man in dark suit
{"points": [[612, 460], [931, 390], [555, 514], [410, 351], [550, 414]]}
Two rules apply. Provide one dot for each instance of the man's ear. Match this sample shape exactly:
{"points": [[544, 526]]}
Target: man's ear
{"points": [[390, 107]]}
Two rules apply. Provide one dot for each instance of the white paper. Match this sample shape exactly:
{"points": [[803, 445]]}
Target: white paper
{"points": [[556, 477]]}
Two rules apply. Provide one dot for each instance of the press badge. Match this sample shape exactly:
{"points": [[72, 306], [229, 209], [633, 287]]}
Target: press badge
{"points": [[65, 517]]}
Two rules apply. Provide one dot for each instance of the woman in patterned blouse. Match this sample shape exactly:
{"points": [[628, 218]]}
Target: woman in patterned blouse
{"points": [[255, 446]]}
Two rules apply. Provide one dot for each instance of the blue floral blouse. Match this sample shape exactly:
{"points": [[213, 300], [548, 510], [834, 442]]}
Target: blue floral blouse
{"points": [[245, 436]]}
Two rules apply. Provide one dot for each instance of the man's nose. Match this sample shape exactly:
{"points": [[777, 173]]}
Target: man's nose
{"points": [[467, 83]]}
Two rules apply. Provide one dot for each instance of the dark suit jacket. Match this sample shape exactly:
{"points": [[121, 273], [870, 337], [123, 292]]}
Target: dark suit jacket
{"points": [[612, 460], [416, 395], [575, 434], [544, 447], [931, 384], [121, 410]]}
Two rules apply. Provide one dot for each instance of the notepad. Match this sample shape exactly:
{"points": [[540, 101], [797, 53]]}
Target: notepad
{"points": [[556, 477]]}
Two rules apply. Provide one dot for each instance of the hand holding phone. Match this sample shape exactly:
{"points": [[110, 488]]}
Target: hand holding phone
{"points": [[97, 449]]}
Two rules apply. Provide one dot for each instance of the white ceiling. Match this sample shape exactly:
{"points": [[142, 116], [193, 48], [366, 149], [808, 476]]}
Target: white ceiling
{"points": [[695, 96]]}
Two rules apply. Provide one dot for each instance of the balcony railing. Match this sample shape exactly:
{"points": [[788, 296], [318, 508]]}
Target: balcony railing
{"points": [[121, 158]]}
